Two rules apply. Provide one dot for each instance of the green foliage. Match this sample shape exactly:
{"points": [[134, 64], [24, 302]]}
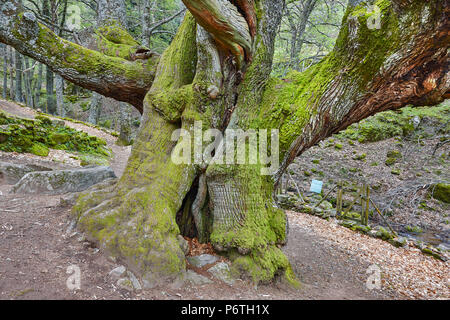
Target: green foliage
{"points": [[391, 124], [39, 135]]}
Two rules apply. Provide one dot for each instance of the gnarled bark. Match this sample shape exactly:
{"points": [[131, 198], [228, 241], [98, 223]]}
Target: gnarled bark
{"points": [[218, 72]]}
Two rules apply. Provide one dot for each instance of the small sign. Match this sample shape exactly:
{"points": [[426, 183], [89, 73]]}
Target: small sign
{"points": [[316, 186]]}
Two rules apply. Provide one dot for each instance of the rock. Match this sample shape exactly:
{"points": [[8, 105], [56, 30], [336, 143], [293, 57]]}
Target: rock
{"points": [[326, 205], [441, 192], [318, 211], [361, 228], [69, 200], [196, 279], [286, 201], [58, 123], [347, 223], [222, 272], [125, 284], [307, 209], [62, 181], [434, 253], [332, 212], [202, 260], [11, 173], [399, 242], [384, 234], [184, 245], [117, 273], [134, 281]]}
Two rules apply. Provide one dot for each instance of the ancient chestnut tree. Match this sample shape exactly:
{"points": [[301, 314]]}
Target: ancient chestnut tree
{"points": [[217, 71]]}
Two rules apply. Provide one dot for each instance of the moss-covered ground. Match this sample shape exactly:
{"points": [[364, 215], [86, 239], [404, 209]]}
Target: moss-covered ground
{"points": [[39, 135]]}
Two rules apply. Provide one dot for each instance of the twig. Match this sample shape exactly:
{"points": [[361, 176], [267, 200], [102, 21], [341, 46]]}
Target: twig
{"points": [[296, 187]]}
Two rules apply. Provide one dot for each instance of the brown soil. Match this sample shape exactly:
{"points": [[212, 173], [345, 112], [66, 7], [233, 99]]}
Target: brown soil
{"points": [[36, 250]]}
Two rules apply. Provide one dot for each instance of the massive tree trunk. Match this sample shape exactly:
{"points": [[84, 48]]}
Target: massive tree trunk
{"points": [[216, 74]]}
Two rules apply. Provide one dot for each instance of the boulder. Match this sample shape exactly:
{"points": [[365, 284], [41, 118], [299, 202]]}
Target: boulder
{"points": [[117, 273], [12, 173], [202, 260], [196, 279], [441, 192], [62, 181], [134, 281], [222, 272], [184, 245]]}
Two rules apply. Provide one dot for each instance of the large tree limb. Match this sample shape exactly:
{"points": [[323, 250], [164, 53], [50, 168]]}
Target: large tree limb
{"points": [[226, 24], [113, 77], [405, 62]]}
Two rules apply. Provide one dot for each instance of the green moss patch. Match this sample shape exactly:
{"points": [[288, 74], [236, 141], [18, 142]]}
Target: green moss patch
{"points": [[41, 134]]}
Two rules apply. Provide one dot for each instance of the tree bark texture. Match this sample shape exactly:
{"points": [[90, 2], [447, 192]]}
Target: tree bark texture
{"points": [[217, 71]]}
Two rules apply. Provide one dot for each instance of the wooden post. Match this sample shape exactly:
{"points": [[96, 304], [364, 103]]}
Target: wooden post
{"points": [[367, 205], [296, 187], [361, 194], [324, 198], [339, 199], [384, 219]]}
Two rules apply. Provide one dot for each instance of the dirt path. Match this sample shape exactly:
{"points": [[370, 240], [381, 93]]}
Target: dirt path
{"points": [[35, 252], [330, 261]]}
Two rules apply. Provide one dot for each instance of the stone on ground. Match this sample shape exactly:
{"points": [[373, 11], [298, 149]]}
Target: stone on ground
{"points": [[11, 173], [117, 273], [202, 260], [222, 272], [62, 181], [196, 279]]}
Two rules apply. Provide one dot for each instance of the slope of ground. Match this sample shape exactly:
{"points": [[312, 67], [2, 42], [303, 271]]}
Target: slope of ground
{"points": [[330, 261], [401, 170], [120, 154]]}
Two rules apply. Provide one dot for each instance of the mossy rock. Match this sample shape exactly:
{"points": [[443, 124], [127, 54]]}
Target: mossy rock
{"points": [[352, 215], [39, 150], [361, 228], [441, 192], [414, 229], [58, 138], [45, 120], [347, 223], [4, 135], [394, 154], [384, 234], [399, 242], [38, 135]]}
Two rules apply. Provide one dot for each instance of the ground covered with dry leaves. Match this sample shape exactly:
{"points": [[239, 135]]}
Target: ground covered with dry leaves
{"points": [[405, 271], [330, 261]]}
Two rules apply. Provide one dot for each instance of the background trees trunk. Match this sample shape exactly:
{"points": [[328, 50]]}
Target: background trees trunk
{"points": [[5, 71]]}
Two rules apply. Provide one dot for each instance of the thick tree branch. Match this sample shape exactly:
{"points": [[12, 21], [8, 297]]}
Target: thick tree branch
{"points": [[112, 77], [371, 70], [226, 24]]}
